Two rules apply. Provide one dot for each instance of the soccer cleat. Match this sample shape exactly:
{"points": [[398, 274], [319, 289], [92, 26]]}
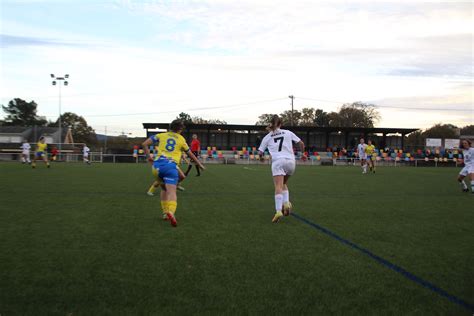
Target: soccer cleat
{"points": [[465, 190], [180, 188], [49, 166], [172, 219], [165, 216], [150, 193], [277, 216], [287, 208]]}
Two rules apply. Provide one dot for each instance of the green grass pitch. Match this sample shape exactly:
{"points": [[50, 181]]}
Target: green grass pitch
{"points": [[87, 240]]}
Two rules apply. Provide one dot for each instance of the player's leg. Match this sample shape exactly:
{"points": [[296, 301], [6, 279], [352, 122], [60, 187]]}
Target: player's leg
{"points": [[190, 166], [278, 183], [45, 159], [28, 160], [170, 176], [164, 202], [36, 156], [172, 201], [156, 182], [471, 175], [461, 176], [286, 196], [182, 176]]}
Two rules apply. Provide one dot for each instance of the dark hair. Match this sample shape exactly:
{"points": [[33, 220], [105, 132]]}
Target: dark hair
{"points": [[275, 123], [467, 140], [176, 126]]}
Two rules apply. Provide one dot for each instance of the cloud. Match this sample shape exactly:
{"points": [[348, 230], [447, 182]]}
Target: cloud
{"points": [[12, 40]]}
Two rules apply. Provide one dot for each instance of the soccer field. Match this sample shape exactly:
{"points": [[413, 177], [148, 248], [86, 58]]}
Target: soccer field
{"points": [[87, 240]]}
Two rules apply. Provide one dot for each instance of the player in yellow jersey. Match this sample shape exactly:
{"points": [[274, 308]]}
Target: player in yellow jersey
{"points": [[41, 152], [370, 152], [171, 145]]}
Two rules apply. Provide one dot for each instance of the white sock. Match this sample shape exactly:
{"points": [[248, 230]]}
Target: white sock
{"points": [[463, 184], [286, 196], [23, 159], [278, 202], [365, 168], [472, 185]]}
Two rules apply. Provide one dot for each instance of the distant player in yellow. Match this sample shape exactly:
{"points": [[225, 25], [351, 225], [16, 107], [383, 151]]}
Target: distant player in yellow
{"points": [[171, 145], [370, 152], [41, 152]]}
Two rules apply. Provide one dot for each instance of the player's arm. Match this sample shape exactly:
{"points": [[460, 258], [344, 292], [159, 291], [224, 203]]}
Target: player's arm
{"points": [[298, 141], [146, 146], [301, 144], [263, 146], [195, 159]]}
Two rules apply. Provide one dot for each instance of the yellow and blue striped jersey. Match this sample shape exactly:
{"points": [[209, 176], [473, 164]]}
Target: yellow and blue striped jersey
{"points": [[41, 147], [370, 150], [170, 145]]}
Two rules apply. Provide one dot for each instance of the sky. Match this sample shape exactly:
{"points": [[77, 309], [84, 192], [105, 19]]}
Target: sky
{"points": [[146, 61]]}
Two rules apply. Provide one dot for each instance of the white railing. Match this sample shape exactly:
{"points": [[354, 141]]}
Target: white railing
{"points": [[99, 157]]}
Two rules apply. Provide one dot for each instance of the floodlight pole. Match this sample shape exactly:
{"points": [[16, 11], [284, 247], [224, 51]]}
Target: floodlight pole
{"points": [[60, 81], [59, 120]]}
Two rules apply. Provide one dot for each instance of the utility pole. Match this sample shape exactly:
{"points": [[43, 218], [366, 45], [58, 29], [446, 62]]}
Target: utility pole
{"points": [[58, 81], [105, 141], [292, 97]]}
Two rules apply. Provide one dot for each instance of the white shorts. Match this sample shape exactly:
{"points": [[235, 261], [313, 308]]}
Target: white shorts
{"points": [[283, 167], [86, 155], [364, 156], [26, 152], [466, 170]]}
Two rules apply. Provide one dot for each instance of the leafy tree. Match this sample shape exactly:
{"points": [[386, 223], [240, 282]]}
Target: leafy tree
{"points": [[321, 118], [442, 131], [415, 139], [81, 131], [355, 114], [22, 113], [185, 117], [308, 116], [467, 130], [286, 117], [264, 119]]}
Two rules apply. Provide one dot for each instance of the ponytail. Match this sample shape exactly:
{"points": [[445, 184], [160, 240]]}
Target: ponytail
{"points": [[275, 123]]}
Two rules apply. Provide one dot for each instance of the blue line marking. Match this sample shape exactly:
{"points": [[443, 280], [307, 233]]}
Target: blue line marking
{"points": [[388, 264]]}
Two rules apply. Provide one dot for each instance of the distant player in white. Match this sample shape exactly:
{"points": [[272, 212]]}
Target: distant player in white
{"points": [[85, 154], [25, 152], [362, 155], [280, 145], [468, 170]]}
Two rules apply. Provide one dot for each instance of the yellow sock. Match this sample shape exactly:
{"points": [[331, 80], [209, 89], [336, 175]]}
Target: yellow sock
{"points": [[152, 189], [164, 207], [172, 205]]}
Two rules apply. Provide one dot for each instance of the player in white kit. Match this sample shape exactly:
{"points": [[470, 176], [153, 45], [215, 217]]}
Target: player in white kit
{"points": [[362, 155], [85, 154], [468, 170], [25, 152], [280, 145]]}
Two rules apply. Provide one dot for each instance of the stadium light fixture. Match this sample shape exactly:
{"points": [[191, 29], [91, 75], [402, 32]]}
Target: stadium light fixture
{"points": [[57, 82]]}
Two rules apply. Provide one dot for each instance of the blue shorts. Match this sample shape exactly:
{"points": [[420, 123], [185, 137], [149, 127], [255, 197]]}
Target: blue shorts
{"points": [[167, 171], [39, 154]]}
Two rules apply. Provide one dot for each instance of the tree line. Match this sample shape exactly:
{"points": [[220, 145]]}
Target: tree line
{"points": [[22, 113], [358, 114]]}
